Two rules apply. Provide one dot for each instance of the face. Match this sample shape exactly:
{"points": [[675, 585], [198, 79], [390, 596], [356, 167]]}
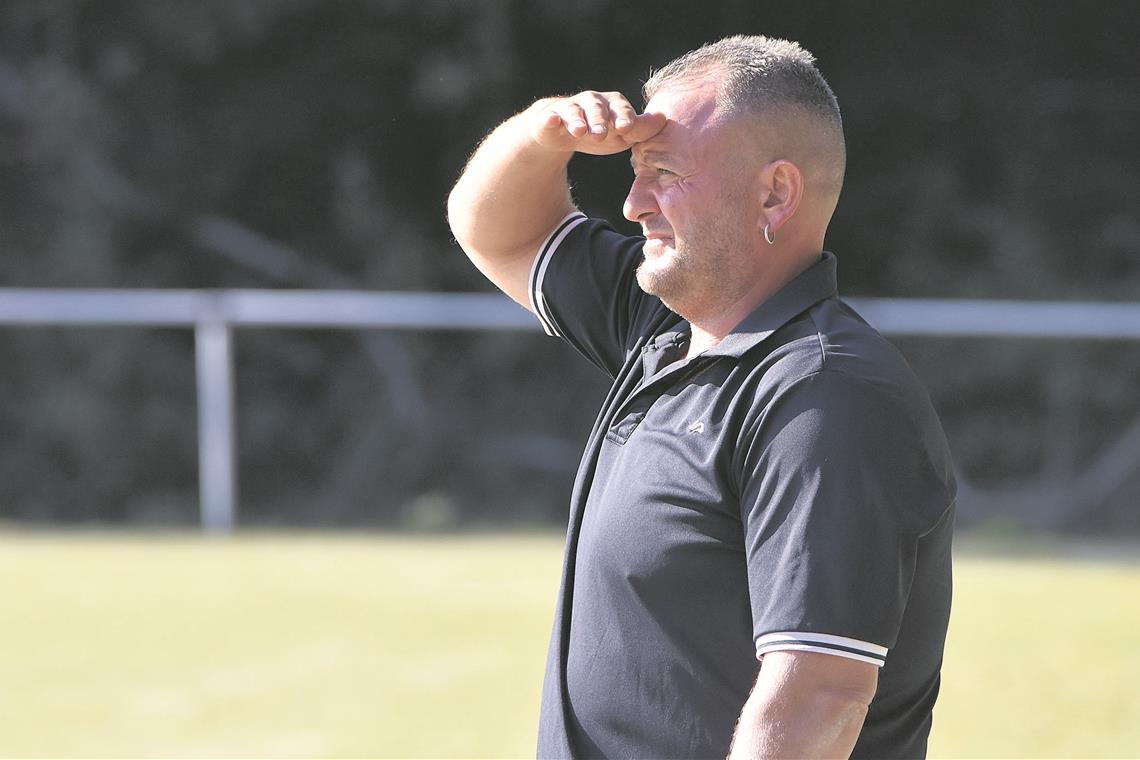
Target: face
{"points": [[691, 195]]}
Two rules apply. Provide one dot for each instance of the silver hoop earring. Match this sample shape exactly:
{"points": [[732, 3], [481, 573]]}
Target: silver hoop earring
{"points": [[768, 236]]}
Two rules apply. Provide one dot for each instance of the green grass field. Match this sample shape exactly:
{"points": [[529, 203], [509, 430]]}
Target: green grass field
{"points": [[317, 645]]}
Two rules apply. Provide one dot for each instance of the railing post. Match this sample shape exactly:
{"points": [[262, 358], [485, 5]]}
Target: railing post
{"points": [[217, 471]]}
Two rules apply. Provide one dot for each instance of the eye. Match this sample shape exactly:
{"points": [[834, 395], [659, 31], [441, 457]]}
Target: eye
{"points": [[663, 172]]}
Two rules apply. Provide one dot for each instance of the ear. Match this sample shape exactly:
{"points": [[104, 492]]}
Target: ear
{"points": [[783, 189]]}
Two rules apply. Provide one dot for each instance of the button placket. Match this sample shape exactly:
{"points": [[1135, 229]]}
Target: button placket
{"points": [[645, 394]]}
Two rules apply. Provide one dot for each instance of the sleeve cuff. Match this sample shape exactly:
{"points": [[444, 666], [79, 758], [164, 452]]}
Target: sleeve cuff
{"points": [[823, 643], [538, 271]]}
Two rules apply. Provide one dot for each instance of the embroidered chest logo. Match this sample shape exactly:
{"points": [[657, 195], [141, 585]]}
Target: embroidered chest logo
{"points": [[696, 426]]}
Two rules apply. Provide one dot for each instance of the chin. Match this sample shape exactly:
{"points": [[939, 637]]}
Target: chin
{"points": [[656, 278]]}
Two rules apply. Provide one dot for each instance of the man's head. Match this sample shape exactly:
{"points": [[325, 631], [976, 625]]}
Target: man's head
{"points": [[773, 84], [753, 140]]}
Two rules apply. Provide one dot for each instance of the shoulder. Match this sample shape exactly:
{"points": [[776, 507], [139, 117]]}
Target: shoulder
{"points": [[853, 443], [830, 347], [843, 388]]}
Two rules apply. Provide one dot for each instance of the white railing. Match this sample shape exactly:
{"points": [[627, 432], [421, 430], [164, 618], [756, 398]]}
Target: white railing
{"points": [[214, 313]]}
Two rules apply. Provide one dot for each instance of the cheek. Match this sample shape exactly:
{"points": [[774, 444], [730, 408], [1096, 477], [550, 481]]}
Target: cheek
{"points": [[692, 208], [676, 203]]}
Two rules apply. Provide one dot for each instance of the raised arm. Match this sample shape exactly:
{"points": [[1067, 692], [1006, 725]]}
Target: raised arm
{"points": [[515, 190]]}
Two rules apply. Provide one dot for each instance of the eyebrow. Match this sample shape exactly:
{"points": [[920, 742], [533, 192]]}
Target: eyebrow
{"points": [[650, 155]]}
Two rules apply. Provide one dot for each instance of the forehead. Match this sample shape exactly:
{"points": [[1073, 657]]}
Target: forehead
{"points": [[693, 122], [691, 105]]}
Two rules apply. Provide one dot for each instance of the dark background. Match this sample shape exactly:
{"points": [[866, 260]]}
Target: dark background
{"points": [[993, 153]]}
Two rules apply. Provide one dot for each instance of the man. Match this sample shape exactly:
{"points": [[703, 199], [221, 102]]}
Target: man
{"points": [[758, 556]]}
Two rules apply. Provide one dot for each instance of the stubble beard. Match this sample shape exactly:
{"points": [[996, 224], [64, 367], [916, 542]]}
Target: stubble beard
{"points": [[664, 275], [695, 277]]}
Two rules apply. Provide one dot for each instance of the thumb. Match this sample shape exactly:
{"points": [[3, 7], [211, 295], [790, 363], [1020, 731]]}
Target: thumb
{"points": [[645, 126]]}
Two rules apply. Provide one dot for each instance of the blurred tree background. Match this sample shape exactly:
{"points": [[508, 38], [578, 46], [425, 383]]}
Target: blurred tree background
{"points": [[311, 144]]}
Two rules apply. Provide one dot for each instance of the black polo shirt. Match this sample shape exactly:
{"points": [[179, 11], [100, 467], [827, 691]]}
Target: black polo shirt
{"points": [[787, 489]]}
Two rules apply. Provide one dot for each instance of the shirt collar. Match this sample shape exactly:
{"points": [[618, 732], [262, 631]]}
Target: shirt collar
{"points": [[816, 283]]}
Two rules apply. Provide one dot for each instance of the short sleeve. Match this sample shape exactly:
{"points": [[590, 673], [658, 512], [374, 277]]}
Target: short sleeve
{"points": [[583, 287], [836, 489]]}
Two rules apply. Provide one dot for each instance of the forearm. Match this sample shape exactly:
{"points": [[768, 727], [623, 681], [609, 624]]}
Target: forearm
{"points": [[512, 192], [514, 189]]}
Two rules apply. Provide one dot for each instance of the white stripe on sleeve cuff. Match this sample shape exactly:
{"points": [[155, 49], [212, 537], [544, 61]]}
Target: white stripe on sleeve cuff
{"points": [[823, 643], [538, 270]]}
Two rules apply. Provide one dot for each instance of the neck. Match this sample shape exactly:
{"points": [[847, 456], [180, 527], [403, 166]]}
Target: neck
{"points": [[705, 335], [710, 326]]}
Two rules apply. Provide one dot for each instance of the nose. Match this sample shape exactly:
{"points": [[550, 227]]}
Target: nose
{"points": [[640, 201]]}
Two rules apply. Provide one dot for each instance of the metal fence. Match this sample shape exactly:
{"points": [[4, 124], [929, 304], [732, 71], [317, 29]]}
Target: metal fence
{"points": [[213, 314]]}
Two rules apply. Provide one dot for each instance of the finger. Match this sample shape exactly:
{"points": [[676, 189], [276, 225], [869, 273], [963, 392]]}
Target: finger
{"points": [[553, 121], [552, 130], [597, 113], [574, 118], [645, 126], [624, 114]]}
